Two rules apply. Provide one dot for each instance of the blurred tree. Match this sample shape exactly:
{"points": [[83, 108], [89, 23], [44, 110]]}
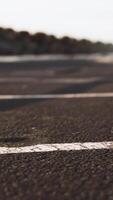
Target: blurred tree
{"points": [[12, 42]]}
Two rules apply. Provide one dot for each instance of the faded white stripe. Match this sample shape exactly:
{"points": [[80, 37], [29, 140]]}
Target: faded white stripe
{"points": [[93, 57], [56, 96], [17, 80], [51, 80], [57, 147], [73, 80]]}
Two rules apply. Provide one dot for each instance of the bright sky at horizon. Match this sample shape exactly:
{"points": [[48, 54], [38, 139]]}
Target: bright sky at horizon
{"points": [[91, 19]]}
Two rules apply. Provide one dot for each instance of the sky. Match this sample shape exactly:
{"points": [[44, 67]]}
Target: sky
{"points": [[90, 19]]}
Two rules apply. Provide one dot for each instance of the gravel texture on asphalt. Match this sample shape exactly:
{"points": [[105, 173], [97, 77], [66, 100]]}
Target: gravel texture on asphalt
{"points": [[79, 175]]}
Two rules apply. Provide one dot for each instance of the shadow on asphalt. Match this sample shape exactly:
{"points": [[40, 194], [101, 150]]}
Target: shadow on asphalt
{"points": [[6, 105], [26, 65], [75, 88], [13, 140], [52, 64], [81, 88]]}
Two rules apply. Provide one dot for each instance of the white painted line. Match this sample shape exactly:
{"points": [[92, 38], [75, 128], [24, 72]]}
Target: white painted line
{"points": [[93, 57], [11, 59], [56, 96], [52, 80], [57, 147], [73, 80], [17, 80]]}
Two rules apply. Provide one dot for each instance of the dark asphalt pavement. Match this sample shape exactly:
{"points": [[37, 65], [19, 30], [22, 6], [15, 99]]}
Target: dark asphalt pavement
{"points": [[78, 175]]}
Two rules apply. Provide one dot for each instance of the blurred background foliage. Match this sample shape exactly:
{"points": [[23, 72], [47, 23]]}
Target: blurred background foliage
{"points": [[15, 43]]}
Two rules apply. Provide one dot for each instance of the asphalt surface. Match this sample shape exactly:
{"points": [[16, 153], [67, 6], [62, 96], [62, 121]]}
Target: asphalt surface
{"points": [[79, 175]]}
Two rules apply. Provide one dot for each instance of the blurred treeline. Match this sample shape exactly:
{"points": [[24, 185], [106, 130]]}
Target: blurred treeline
{"points": [[12, 43]]}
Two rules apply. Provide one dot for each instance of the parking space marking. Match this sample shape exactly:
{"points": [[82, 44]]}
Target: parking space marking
{"points": [[57, 147], [56, 96]]}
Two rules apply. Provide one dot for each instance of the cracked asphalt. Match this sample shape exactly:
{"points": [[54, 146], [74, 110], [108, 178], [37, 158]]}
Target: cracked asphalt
{"points": [[79, 175]]}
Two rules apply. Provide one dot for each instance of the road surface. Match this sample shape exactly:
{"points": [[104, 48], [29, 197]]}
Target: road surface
{"points": [[53, 115]]}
